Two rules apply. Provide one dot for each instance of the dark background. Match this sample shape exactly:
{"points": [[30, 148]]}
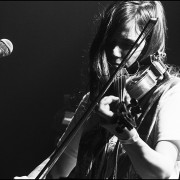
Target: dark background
{"points": [[51, 41]]}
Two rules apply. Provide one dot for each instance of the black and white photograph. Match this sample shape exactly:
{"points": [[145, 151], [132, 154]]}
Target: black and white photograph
{"points": [[89, 89]]}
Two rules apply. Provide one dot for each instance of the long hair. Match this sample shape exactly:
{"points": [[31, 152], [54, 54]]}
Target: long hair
{"points": [[115, 17]]}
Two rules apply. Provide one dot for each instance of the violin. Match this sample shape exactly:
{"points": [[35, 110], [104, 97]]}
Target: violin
{"points": [[145, 80], [137, 86]]}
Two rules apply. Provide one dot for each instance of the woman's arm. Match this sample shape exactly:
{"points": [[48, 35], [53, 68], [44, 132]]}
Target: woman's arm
{"points": [[64, 164], [149, 163], [67, 160]]}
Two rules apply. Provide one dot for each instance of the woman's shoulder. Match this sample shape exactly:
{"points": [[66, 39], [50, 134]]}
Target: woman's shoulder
{"points": [[172, 91], [83, 104], [175, 81], [174, 84], [86, 96], [85, 99]]}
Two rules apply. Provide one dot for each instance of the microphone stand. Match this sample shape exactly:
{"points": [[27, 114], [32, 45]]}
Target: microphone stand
{"points": [[60, 149]]}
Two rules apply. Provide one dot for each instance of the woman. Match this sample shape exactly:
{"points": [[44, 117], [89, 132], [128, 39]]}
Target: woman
{"points": [[107, 146]]}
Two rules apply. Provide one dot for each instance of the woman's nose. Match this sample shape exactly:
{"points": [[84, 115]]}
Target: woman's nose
{"points": [[117, 52]]}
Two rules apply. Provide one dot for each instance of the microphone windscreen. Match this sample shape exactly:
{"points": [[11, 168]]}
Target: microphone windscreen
{"points": [[6, 47]]}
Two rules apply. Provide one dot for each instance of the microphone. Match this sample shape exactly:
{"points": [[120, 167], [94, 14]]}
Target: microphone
{"points": [[6, 47]]}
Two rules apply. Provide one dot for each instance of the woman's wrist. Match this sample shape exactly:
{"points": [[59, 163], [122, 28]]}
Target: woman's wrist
{"points": [[131, 139]]}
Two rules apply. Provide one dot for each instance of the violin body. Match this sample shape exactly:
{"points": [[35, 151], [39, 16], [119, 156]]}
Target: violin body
{"points": [[139, 85]]}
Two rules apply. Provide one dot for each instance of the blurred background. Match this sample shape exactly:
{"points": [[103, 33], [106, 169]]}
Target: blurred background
{"points": [[46, 73]]}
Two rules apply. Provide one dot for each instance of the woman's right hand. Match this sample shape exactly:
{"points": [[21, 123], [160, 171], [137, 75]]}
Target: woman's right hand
{"points": [[104, 108], [22, 177], [35, 172]]}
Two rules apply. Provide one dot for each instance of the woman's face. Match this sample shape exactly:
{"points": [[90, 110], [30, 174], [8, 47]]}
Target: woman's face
{"points": [[122, 42]]}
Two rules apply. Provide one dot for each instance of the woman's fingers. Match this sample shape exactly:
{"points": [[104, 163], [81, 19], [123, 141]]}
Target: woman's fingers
{"points": [[108, 100], [22, 177], [104, 105]]}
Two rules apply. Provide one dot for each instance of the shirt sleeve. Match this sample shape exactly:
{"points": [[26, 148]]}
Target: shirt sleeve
{"points": [[168, 119]]}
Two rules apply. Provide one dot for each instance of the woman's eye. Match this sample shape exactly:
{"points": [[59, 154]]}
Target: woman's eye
{"points": [[126, 45]]}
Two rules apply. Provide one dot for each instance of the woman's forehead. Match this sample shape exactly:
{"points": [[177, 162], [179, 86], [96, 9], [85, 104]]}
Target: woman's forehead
{"points": [[129, 31]]}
